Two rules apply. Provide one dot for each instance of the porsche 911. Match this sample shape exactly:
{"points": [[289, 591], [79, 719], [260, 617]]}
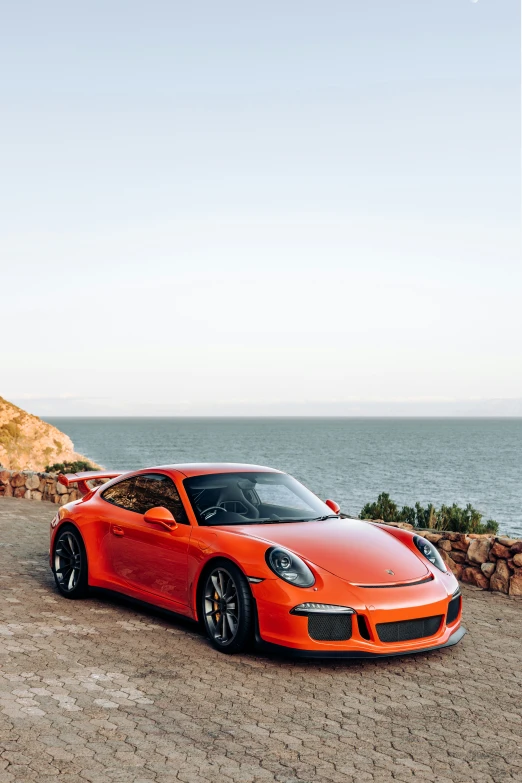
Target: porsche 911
{"points": [[256, 558]]}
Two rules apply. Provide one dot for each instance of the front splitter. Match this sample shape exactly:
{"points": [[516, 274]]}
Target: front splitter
{"points": [[291, 652]]}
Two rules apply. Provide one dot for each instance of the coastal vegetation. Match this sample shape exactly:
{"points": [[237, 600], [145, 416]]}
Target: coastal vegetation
{"points": [[70, 467], [452, 518]]}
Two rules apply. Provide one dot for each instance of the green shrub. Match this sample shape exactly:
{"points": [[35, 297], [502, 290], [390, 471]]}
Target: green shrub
{"points": [[454, 518], [70, 467], [384, 508]]}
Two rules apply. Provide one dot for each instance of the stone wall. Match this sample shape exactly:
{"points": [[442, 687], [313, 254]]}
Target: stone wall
{"points": [[489, 562], [35, 486]]}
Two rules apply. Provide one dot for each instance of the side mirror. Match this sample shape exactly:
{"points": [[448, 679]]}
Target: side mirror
{"points": [[336, 508], [160, 516]]}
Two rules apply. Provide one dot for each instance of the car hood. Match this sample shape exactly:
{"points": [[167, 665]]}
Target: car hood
{"points": [[355, 550]]}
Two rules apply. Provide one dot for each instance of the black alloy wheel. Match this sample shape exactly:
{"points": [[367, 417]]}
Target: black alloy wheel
{"points": [[70, 563], [227, 608]]}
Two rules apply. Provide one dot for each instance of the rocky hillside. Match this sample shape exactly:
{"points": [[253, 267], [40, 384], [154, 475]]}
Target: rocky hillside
{"points": [[28, 443]]}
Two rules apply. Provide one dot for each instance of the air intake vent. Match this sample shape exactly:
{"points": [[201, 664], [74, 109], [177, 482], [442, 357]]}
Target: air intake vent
{"points": [[330, 627], [453, 609], [409, 629], [363, 626]]}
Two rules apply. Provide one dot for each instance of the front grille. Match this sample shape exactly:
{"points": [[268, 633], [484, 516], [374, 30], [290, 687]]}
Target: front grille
{"points": [[453, 609], [330, 627], [406, 630]]}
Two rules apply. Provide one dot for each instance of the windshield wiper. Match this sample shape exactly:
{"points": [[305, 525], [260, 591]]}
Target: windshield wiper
{"points": [[271, 521], [312, 519]]}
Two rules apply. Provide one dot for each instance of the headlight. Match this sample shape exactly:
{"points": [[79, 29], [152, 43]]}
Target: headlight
{"points": [[289, 567], [430, 552]]}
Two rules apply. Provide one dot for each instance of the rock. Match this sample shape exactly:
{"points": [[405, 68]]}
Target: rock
{"points": [[7, 491], [445, 545], [457, 557], [478, 550], [60, 488], [516, 549], [19, 492], [32, 481], [499, 550], [64, 499], [517, 560], [461, 543], [506, 541], [42, 485], [17, 480], [474, 576], [5, 476], [28, 443], [487, 569], [500, 579], [515, 584], [433, 538], [36, 495]]}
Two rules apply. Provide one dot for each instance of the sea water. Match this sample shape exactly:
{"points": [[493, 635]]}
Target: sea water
{"points": [[477, 461]]}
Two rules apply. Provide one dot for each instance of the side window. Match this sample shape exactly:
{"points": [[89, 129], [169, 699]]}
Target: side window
{"points": [[121, 494], [154, 489]]}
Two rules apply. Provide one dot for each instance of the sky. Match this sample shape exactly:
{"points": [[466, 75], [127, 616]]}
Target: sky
{"points": [[267, 208]]}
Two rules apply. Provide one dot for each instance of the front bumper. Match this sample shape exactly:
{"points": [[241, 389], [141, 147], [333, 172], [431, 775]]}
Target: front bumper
{"points": [[279, 630]]}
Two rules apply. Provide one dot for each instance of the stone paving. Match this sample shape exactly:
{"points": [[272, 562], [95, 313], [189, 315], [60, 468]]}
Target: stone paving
{"points": [[99, 690]]}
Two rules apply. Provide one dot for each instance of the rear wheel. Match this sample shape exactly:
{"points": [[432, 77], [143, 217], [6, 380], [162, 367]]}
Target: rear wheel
{"points": [[227, 608], [70, 563]]}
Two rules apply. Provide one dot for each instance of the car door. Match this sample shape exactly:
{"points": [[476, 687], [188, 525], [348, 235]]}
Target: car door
{"points": [[148, 557]]}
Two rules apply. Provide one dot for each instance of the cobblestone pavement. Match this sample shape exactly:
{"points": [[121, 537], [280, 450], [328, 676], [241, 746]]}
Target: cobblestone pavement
{"points": [[98, 690]]}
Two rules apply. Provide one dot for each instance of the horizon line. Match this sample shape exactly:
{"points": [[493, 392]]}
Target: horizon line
{"points": [[280, 416]]}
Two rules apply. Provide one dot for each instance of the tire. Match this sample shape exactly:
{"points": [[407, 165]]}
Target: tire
{"points": [[227, 607], [70, 563]]}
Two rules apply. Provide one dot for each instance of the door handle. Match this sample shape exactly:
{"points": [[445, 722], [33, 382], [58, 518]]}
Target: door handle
{"points": [[117, 531]]}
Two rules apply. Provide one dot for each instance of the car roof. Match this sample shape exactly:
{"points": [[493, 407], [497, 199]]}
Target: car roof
{"points": [[205, 468]]}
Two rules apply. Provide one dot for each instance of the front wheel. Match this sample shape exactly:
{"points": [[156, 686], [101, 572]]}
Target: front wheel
{"points": [[70, 563], [227, 608]]}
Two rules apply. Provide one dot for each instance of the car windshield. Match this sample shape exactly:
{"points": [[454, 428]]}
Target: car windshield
{"points": [[252, 498]]}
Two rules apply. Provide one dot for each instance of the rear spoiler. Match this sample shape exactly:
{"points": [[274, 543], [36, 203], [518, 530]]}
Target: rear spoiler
{"points": [[81, 479]]}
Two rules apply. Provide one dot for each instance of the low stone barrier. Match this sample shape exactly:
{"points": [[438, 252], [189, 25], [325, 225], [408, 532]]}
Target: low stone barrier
{"points": [[35, 486], [489, 562]]}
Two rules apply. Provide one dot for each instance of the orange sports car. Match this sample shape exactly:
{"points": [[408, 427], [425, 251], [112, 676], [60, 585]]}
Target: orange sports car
{"points": [[253, 555]]}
